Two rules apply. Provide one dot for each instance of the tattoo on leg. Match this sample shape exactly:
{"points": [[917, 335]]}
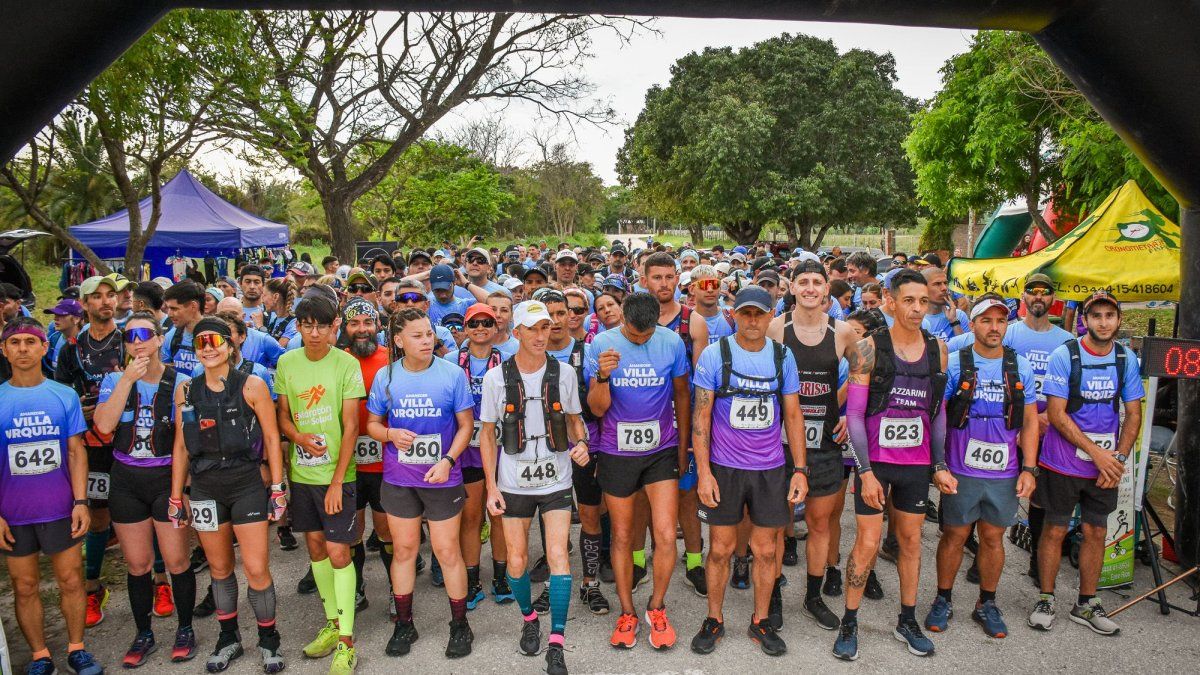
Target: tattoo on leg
{"points": [[854, 578]]}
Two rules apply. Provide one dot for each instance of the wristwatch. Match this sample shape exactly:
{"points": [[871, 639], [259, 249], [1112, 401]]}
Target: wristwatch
{"points": [[82, 502], [1121, 457], [802, 469], [1033, 470], [602, 379], [279, 487], [940, 466]]}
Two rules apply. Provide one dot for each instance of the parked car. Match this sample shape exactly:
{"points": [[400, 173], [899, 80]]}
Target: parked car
{"points": [[11, 270]]}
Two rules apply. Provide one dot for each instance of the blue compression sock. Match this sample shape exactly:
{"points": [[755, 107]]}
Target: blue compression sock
{"points": [[159, 566], [560, 600], [520, 589], [94, 543]]}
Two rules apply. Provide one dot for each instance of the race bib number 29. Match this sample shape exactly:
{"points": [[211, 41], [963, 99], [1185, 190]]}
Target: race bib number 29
{"points": [[204, 515]]}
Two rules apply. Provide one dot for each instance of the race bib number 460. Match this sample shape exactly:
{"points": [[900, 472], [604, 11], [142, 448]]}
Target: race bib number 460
{"points": [[1107, 443], [986, 456], [32, 459], [901, 433], [367, 450], [425, 449], [536, 473], [637, 436], [751, 413]]}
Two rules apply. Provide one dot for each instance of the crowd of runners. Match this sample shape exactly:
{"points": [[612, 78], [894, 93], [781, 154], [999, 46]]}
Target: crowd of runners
{"points": [[460, 395]]}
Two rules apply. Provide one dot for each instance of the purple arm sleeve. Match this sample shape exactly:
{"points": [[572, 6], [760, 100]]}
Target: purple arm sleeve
{"points": [[937, 438], [856, 421]]}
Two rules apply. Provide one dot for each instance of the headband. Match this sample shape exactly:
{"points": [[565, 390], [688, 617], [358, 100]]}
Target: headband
{"points": [[213, 325], [359, 307], [23, 329]]}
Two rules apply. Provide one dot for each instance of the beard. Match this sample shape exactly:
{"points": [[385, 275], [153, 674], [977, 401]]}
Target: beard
{"points": [[363, 347], [1038, 309], [1097, 339]]}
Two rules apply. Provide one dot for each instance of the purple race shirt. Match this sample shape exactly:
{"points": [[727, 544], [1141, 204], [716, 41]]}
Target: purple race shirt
{"points": [[1096, 419], [142, 455], [479, 367], [424, 403], [641, 419], [35, 481], [900, 434], [985, 448], [747, 428]]}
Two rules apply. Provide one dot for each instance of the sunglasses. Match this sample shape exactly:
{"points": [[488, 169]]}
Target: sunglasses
{"points": [[133, 335], [209, 340], [767, 284], [360, 288], [481, 323], [477, 260], [410, 297], [452, 326], [1039, 292], [578, 311], [707, 284]]}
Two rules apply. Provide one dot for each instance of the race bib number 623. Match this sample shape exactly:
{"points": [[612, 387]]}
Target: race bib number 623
{"points": [[900, 432]]}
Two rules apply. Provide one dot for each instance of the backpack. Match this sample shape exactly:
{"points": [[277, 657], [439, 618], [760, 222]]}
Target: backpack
{"points": [[725, 390], [883, 375], [162, 437], [958, 408], [1075, 398], [513, 422]]}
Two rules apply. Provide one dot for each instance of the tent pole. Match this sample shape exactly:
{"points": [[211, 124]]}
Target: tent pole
{"points": [[1187, 490]]}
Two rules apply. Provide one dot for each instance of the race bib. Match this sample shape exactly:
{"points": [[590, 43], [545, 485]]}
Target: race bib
{"points": [[32, 459], [425, 449], [813, 429], [204, 515], [847, 451], [478, 428], [751, 413], [1037, 386], [1107, 443], [637, 436], [986, 456], [536, 473], [901, 433], [304, 458], [97, 487], [367, 450]]}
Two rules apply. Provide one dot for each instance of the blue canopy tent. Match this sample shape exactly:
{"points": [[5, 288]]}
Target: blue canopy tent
{"points": [[195, 223]]}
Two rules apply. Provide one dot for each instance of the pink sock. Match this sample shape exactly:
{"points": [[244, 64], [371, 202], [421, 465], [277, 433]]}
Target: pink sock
{"points": [[556, 639]]}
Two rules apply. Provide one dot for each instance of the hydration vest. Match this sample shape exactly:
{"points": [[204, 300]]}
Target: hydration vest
{"points": [[277, 325], [464, 359], [725, 390], [685, 330], [1075, 398], [177, 344], [220, 426], [576, 361], [162, 436], [958, 408], [513, 422], [883, 375]]}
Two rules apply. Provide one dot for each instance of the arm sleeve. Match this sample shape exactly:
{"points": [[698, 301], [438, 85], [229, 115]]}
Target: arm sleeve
{"points": [[856, 420], [937, 437]]}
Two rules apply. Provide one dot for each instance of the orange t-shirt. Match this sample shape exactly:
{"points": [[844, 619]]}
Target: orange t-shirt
{"points": [[370, 366]]}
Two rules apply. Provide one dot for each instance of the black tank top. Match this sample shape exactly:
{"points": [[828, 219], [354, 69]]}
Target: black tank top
{"points": [[818, 370]]}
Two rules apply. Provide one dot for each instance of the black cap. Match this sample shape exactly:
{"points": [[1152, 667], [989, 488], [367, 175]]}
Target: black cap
{"points": [[1101, 295]]}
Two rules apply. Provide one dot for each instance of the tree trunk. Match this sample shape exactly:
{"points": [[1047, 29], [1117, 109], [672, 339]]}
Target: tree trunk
{"points": [[789, 228], [43, 220], [743, 232], [341, 226], [696, 231], [816, 242]]}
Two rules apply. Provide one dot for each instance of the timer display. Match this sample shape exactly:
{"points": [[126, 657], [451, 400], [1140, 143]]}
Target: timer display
{"points": [[1171, 358]]}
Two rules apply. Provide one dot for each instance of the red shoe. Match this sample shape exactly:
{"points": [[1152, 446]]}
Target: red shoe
{"points": [[625, 634], [96, 600], [662, 635], [164, 602]]}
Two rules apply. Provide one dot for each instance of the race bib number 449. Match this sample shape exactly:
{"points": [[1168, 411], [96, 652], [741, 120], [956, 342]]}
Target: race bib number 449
{"points": [[751, 414], [637, 436], [901, 433]]}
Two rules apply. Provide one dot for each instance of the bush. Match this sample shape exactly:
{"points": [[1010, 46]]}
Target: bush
{"points": [[308, 235]]}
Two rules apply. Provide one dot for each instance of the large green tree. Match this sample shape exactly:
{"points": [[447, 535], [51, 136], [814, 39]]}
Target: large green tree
{"points": [[789, 130], [321, 90]]}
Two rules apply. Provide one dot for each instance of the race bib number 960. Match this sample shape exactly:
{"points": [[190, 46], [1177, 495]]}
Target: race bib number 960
{"points": [[751, 413], [900, 433], [32, 459], [637, 436], [425, 449]]}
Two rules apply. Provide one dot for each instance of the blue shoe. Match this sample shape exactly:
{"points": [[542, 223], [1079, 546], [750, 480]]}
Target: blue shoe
{"points": [[501, 592], [435, 572], [988, 615], [846, 645], [938, 618], [475, 595], [84, 663], [909, 632], [41, 667]]}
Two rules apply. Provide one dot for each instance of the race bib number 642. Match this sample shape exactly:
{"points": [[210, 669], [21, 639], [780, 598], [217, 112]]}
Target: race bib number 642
{"points": [[32, 459]]}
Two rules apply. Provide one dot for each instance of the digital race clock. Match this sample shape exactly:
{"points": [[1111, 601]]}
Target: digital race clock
{"points": [[1171, 357]]}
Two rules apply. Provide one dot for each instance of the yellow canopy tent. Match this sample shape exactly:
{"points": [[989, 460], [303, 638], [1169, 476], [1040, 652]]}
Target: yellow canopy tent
{"points": [[1127, 246]]}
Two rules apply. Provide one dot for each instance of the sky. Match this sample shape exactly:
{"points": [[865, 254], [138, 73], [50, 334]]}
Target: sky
{"points": [[623, 73]]}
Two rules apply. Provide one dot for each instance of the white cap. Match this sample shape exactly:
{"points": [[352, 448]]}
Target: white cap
{"points": [[530, 313], [162, 281], [566, 253], [722, 267], [512, 283], [984, 305], [685, 278], [806, 255]]}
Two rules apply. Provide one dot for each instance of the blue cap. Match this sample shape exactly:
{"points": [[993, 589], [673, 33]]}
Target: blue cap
{"points": [[740, 249], [441, 277], [754, 296], [616, 281]]}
